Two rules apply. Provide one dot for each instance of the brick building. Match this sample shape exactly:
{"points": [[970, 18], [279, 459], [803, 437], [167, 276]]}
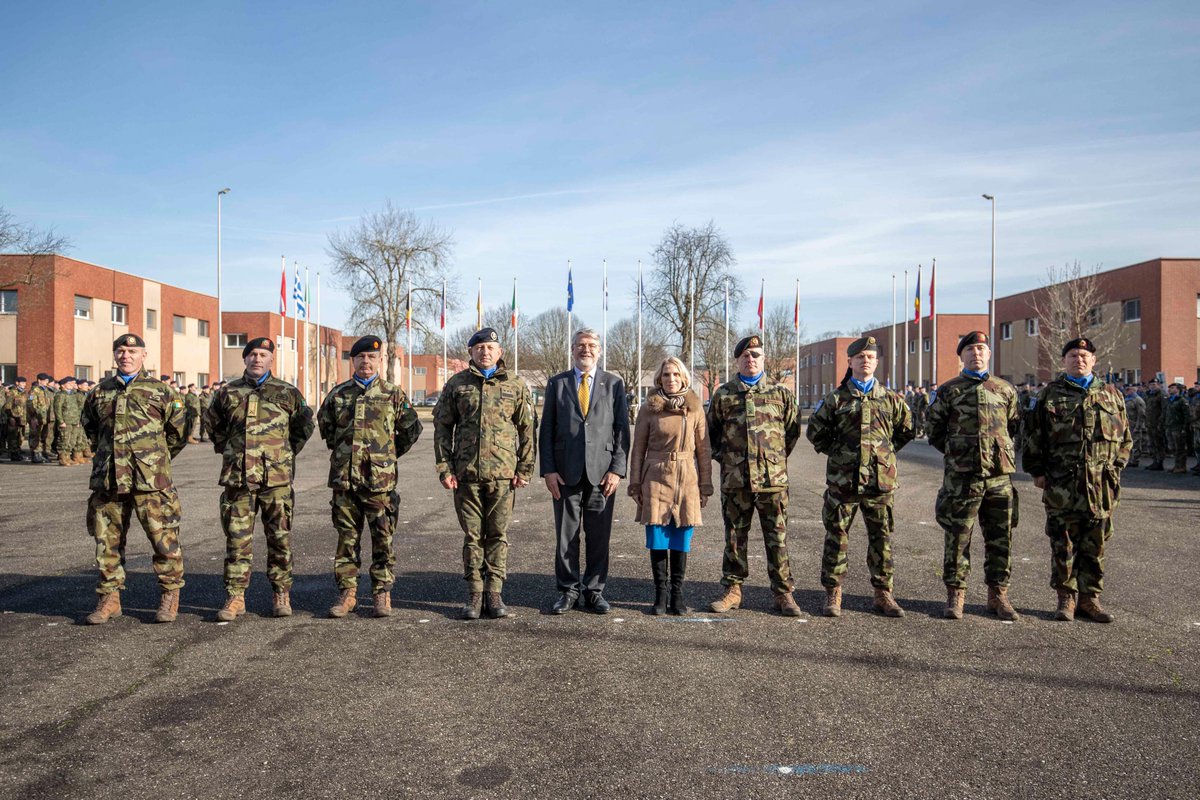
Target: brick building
{"points": [[429, 372], [296, 366], [928, 362], [1147, 322], [60, 315]]}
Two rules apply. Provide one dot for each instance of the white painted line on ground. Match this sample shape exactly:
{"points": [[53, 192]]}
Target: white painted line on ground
{"points": [[422, 621], [618, 619]]}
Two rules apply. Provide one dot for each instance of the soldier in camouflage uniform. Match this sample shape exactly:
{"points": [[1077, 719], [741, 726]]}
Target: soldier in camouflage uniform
{"points": [[1176, 425], [206, 396], [368, 424], [1023, 394], [41, 427], [259, 424], [1156, 435], [973, 423], [191, 402], [1080, 442], [17, 423], [483, 447], [68, 413], [753, 424], [1194, 412], [860, 426], [135, 425], [920, 412], [1135, 412]]}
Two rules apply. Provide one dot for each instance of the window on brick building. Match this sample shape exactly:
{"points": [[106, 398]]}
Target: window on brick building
{"points": [[1095, 316], [8, 301], [912, 345], [179, 378], [8, 373], [235, 340], [926, 345], [180, 323], [418, 370], [151, 318], [1005, 330], [83, 307], [202, 328], [1031, 326], [120, 314], [83, 372], [201, 379], [1131, 310]]}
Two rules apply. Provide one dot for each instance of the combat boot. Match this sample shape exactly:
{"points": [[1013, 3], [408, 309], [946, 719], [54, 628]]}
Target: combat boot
{"points": [[786, 605], [729, 600], [1134, 463], [495, 605], [78, 458], [833, 602], [235, 606], [64, 460], [474, 606], [88, 454], [1156, 466], [281, 604], [886, 604], [1180, 467], [1089, 606], [193, 440], [108, 606], [168, 606], [1066, 606], [999, 604], [37, 458], [345, 604], [383, 604], [955, 598]]}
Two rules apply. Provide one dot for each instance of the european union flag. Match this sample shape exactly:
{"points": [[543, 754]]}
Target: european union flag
{"points": [[570, 291]]}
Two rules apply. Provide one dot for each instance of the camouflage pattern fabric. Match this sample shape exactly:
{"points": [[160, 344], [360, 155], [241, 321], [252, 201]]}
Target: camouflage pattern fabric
{"points": [[40, 419], [1194, 411], [193, 409], [837, 514], [861, 434], [379, 511], [135, 431], [1081, 442], [108, 517], [752, 430], [258, 430], [484, 511], [1135, 412], [1176, 425], [366, 430], [15, 414], [483, 427], [205, 401], [738, 507], [238, 508], [68, 411], [961, 499], [1156, 434]]}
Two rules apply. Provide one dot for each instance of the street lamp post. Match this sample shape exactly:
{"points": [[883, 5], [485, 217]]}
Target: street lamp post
{"points": [[220, 326], [992, 305]]}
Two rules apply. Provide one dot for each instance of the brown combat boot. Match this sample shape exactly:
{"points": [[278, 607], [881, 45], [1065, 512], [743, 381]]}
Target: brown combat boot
{"points": [[88, 453], [383, 604], [955, 598], [235, 606], [193, 440], [473, 606], [281, 604], [1089, 606], [495, 605], [1066, 606], [168, 606], [730, 599], [833, 602], [886, 604], [345, 604], [64, 460], [78, 458], [108, 606], [786, 604], [999, 604]]}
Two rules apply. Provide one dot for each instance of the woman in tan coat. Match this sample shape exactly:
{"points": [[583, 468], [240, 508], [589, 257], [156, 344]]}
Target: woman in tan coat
{"points": [[670, 477]]}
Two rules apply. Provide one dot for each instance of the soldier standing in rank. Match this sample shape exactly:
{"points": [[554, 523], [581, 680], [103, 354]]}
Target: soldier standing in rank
{"points": [[973, 423], [1078, 446], [1176, 426], [135, 425], [1022, 400], [1194, 412], [68, 413], [191, 401], [259, 424], [367, 423], [1135, 412], [1156, 412], [41, 428], [16, 414], [483, 447], [753, 424], [860, 426]]}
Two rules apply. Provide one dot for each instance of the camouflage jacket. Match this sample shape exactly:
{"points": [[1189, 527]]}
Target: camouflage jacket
{"points": [[18, 405], [1135, 412], [1156, 410], [135, 431], [1194, 408], [752, 430], [367, 430], [68, 407], [973, 423], [1177, 413], [1079, 441], [861, 434], [39, 402], [192, 403], [483, 427], [258, 430]]}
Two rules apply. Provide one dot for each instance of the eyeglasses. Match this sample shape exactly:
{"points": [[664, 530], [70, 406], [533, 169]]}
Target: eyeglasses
{"points": [[587, 346], [755, 354]]}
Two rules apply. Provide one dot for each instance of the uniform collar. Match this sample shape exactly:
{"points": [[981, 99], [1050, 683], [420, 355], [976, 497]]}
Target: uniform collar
{"points": [[979, 376]]}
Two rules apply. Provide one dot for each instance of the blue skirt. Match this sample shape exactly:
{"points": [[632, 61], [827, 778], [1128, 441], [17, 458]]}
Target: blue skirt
{"points": [[669, 537]]}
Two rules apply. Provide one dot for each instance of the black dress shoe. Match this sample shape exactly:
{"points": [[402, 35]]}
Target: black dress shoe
{"points": [[563, 604], [598, 605]]}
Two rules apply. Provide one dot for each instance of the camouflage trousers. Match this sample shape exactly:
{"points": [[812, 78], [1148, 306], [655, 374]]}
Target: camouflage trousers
{"points": [[108, 517], [379, 512], [1139, 437], [14, 432], [484, 511], [838, 514], [238, 507], [41, 436], [1077, 552], [961, 499], [1155, 443], [1178, 439], [737, 507], [71, 439]]}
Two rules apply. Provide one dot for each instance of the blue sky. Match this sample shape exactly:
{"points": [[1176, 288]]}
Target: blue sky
{"points": [[836, 143]]}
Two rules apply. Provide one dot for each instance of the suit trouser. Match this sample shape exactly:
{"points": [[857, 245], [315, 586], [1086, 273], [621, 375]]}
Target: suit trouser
{"points": [[582, 508]]}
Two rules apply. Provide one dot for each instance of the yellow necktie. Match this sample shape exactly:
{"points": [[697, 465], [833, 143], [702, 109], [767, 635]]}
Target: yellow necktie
{"points": [[585, 394]]}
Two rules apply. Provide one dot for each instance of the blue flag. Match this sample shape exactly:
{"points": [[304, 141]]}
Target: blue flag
{"points": [[570, 291]]}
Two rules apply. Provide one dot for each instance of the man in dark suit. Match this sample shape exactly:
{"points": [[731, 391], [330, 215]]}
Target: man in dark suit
{"points": [[583, 446]]}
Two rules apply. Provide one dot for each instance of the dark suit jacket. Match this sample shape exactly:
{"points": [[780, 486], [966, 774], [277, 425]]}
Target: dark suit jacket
{"points": [[573, 446]]}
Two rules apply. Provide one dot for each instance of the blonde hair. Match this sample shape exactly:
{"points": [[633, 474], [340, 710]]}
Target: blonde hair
{"points": [[683, 372]]}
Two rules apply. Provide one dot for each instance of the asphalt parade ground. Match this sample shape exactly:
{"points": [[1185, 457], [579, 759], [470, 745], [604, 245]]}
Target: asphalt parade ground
{"points": [[583, 706]]}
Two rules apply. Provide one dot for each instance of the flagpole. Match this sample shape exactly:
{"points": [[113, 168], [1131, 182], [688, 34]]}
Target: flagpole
{"points": [[892, 365], [904, 378], [282, 302], [295, 328], [570, 302], [307, 333], [408, 322], [320, 344], [445, 341], [726, 329], [639, 334], [762, 308], [604, 343], [691, 321], [479, 306], [920, 335], [933, 316], [796, 377], [516, 320]]}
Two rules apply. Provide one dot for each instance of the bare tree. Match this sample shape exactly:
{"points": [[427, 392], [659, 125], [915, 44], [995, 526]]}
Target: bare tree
{"points": [[713, 352], [696, 258], [375, 263], [1071, 303], [544, 344], [623, 353], [779, 341], [498, 317], [28, 250]]}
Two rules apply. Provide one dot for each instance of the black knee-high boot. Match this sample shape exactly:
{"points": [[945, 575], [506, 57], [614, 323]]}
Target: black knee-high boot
{"points": [[659, 567], [678, 571]]}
